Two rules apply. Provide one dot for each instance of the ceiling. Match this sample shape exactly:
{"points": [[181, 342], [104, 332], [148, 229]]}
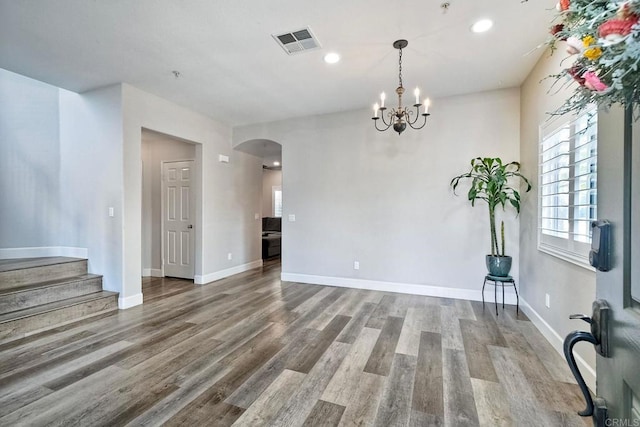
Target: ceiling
{"points": [[230, 68]]}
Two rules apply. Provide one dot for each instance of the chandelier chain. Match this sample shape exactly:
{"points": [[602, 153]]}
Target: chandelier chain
{"points": [[400, 67]]}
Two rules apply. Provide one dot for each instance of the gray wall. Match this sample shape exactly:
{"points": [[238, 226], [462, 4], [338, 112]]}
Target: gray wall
{"points": [[156, 148], [29, 162], [384, 199], [91, 179], [67, 158], [270, 179], [570, 287], [61, 170], [226, 212]]}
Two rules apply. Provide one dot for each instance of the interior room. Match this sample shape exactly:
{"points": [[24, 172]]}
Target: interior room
{"points": [[267, 214]]}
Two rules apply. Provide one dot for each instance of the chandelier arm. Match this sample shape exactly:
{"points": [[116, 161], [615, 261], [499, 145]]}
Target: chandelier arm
{"points": [[390, 114], [423, 123], [415, 119], [383, 129]]}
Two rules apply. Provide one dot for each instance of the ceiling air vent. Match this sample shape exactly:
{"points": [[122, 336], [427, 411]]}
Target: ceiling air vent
{"points": [[297, 41]]}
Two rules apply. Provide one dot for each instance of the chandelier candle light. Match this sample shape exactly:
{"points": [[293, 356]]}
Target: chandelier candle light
{"points": [[401, 116]]}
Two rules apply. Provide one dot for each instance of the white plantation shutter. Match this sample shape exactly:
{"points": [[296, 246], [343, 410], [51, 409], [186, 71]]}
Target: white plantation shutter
{"points": [[567, 186]]}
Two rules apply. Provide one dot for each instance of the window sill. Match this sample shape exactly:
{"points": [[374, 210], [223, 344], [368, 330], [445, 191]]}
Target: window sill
{"points": [[573, 258]]}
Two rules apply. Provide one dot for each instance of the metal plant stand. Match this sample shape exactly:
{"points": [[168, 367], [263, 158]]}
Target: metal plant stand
{"points": [[502, 280]]}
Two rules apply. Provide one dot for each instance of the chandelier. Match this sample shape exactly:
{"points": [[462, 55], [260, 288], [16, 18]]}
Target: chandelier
{"points": [[401, 116]]}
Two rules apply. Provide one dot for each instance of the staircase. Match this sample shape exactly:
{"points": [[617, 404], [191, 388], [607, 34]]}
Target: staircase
{"points": [[42, 293]]}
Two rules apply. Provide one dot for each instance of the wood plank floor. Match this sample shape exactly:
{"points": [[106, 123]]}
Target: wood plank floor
{"points": [[250, 350]]}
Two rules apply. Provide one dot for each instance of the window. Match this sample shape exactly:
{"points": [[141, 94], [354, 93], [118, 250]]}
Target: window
{"points": [[277, 201], [567, 186]]}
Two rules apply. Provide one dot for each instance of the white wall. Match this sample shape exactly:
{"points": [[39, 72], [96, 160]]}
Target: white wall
{"points": [[29, 162], [571, 287], [384, 199], [270, 178], [156, 148]]}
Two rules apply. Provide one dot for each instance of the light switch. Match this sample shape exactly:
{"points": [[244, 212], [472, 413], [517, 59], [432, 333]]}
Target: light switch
{"points": [[223, 159], [292, 218], [256, 216], [111, 212]]}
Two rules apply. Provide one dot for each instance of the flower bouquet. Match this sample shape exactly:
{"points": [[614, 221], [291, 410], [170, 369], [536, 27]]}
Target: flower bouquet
{"points": [[603, 40]]}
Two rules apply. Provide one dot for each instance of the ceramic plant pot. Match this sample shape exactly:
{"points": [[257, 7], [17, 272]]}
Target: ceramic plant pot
{"points": [[498, 265]]}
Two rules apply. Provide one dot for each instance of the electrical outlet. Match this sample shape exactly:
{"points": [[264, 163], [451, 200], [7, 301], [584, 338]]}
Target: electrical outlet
{"points": [[229, 256], [356, 265], [547, 300]]}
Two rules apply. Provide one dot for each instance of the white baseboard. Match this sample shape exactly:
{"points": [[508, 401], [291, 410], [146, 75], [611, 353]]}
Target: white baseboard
{"points": [[211, 277], [37, 252], [403, 288], [554, 338], [152, 272], [128, 302]]}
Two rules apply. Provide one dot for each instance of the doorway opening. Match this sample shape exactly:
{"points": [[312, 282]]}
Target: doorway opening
{"points": [[273, 195], [170, 194]]}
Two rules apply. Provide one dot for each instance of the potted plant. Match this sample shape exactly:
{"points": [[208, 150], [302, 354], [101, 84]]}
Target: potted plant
{"points": [[490, 182]]}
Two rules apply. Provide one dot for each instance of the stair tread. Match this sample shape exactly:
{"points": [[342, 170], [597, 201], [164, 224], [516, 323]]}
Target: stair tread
{"points": [[48, 283], [24, 263], [44, 308]]}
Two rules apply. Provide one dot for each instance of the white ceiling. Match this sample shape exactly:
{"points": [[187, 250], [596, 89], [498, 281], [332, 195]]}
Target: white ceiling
{"points": [[232, 69]]}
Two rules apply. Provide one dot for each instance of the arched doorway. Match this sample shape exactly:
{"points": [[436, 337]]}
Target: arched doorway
{"points": [[272, 198]]}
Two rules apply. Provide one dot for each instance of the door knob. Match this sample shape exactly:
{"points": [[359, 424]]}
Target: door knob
{"points": [[599, 337], [584, 317], [571, 340], [189, 226]]}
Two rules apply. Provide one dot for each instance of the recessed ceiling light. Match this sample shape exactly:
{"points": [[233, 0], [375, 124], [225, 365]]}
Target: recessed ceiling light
{"points": [[482, 25], [331, 58], [276, 163]]}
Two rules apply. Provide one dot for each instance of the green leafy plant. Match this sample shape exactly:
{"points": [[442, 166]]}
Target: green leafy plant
{"points": [[490, 182]]}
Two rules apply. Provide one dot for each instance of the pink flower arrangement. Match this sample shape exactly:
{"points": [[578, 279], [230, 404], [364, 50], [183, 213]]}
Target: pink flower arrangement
{"points": [[593, 82], [603, 38], [615, 29]]}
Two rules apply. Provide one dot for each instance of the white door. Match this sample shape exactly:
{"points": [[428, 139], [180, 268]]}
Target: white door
{"points": [[178, 219]]}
